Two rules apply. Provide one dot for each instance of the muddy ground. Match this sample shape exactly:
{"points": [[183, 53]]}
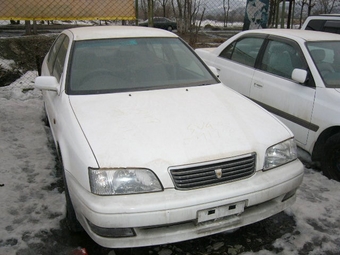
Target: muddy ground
{"points": [[27, 53]]}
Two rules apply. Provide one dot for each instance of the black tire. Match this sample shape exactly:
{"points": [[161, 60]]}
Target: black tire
{"points": [[331, 158], [170, 28], [45, 118], [71, 218]]}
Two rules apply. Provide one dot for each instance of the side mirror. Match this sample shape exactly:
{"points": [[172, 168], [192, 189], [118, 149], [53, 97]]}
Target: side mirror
{"points": [[47, 83], [299, 75], [214, 70]]}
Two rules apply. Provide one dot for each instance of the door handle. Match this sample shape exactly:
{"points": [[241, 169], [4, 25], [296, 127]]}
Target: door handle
{"points": [[258, 85]]}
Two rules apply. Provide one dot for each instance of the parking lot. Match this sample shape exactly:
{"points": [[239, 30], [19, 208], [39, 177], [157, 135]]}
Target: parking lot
{"points": [[33, 204]]}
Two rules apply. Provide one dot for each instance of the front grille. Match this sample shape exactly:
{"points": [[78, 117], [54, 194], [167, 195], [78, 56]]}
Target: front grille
{"points": [[202, 175]]}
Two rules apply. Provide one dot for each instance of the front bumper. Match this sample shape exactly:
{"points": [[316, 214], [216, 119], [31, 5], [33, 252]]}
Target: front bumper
{"points": [[173, 215]]}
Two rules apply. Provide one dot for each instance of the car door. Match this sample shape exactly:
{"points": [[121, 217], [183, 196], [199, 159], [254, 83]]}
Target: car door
{"points": [[273, 88], [55, 67], [235, 63]]}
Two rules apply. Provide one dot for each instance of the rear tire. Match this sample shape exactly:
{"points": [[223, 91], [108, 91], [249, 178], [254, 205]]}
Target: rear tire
{"points": [[331, 158]]}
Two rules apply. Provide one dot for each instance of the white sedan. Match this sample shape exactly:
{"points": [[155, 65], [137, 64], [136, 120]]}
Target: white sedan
{"points": [[294, 74], [154, 148]]}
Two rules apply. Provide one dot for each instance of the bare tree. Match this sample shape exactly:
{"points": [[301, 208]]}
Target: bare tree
{"points": [[272, 12], [197, 10], [180, 10], [189, 15], [302, 4], [327, 6], [150, 13], [310, 5], [178, 14], [164, 6], [226, 8], [143, 8]]}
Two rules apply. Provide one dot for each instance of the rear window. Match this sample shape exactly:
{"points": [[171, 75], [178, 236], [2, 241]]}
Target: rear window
{"points": [[331, 26]]}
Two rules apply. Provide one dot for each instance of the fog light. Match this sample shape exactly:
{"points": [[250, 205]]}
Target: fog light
{"points": [[112, 232]]}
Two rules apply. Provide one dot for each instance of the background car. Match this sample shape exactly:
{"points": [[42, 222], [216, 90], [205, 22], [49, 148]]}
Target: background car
{"points": [[153, 148], [326, 23], [294, 74], [161, 22]]}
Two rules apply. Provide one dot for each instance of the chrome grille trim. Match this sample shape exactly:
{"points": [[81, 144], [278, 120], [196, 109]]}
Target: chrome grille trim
{"points": [[202, 175]]}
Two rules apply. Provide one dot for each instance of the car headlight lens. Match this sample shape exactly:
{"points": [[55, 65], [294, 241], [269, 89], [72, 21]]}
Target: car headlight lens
{"points": [[122, 181], [280, 154]]}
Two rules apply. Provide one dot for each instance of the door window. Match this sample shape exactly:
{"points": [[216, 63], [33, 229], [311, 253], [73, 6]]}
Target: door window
{"points": [[281, 58], [244, 51], [60, 59], [57, 55]]}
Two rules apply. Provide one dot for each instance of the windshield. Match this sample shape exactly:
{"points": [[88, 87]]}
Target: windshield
{"points": [[326, 56], [117, 65]]}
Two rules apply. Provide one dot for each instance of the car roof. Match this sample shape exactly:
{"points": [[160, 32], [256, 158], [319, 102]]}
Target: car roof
{"points": [[298, 34], [103, 32], [324, 16]]}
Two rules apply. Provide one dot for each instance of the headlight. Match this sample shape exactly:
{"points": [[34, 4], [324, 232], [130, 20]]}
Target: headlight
{"points": [[121, 181], [280, 154]]}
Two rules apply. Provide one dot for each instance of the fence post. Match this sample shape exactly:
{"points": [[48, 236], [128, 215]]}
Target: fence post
{"points": [[136, 11], [28, 27], [289, 13], [150, 13], [35, 29]]}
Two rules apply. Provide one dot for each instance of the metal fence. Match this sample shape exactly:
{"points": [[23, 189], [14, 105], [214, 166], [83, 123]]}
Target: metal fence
{"points": [[190, 14], [67, 10]]}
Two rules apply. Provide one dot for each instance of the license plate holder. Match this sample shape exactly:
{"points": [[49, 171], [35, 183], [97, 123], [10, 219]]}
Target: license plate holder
{"points": [[220, 211]]}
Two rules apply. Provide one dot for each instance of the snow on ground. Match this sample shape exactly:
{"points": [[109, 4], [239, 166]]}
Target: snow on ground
{"points": [[220, 24], [31, 203], [7, 64], [316, 212]]}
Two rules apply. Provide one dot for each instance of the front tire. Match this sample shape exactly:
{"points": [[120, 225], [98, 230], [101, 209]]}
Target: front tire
{"points": [[331, 158], [71, 218]]}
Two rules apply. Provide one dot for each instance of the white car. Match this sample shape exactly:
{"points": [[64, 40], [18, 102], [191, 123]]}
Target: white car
{"points": [[294, 74], [154, 148], [325, 22]]}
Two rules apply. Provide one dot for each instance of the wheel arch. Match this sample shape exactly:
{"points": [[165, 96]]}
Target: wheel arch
{"points": [[63, 155], [319, 145]]}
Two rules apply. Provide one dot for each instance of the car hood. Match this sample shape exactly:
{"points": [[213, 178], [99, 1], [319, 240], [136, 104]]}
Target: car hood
{"points": [[174, 126]]}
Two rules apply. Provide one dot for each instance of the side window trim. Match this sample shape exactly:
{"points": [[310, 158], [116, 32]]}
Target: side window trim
{"points": [[60, 58], [55, 44], [229, 51]]}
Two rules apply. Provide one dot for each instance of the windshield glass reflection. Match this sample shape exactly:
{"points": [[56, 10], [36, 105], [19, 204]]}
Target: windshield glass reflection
{"points": [[130, 64]]}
